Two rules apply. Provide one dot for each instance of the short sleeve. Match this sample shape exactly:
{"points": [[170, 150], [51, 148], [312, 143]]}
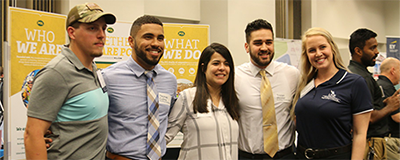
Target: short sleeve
{"points": [[361, 97], [49, 92]]}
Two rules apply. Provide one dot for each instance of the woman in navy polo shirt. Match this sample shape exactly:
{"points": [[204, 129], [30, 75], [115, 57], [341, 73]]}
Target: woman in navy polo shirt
{"points": [[332, 106]]}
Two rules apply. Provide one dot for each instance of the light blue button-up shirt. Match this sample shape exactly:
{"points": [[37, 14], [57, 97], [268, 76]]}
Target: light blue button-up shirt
{"points": [[127, 114]]}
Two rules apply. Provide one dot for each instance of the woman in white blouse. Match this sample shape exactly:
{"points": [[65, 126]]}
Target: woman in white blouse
{"points": [[207, 114]]}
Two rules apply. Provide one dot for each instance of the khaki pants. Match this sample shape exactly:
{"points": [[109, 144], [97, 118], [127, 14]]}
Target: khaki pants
{"points": [[379, 149], [393, 148]]}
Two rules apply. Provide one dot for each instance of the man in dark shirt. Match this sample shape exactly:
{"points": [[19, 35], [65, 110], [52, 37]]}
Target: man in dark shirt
{"points": [[390, 76], [363, 48]]}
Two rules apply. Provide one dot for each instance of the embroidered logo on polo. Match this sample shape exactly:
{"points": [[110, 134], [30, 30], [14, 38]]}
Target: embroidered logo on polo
{"points": [[331, 96]]}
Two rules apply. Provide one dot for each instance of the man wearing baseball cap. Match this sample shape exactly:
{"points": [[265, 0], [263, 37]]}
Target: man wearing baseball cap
{"points": [[68, 96]]}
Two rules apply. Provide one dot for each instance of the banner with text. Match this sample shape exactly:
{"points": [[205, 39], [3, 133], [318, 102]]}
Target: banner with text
{"points": [[35, 38], [117, 45], [392, 47], [183, 46]]}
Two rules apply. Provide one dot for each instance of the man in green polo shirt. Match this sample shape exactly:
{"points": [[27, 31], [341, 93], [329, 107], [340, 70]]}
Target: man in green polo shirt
{"points": [[68, 95]]}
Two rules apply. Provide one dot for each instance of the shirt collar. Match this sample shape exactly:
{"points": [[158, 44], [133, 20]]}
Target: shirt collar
{"points": [[75, 60], [384, 78], [359, 66], [269, 69], [139, 70], [338, 77]]}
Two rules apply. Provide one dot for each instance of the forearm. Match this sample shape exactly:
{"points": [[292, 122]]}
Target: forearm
{"points": [[35, 147], [377, 115], [360, 126], [359, 142], [171, 133]]}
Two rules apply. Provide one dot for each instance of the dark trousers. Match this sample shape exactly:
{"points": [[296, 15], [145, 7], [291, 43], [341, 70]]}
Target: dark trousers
{"points": [[336, 156], [171, 154], [287, 157], [287, 153]]}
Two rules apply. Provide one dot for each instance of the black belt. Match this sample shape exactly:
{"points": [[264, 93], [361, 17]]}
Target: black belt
{"points": [[310, 153], [380, 136], [278, 155]]}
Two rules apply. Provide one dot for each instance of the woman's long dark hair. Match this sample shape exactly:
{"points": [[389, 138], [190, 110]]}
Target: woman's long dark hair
{"points": [[228, 93]]}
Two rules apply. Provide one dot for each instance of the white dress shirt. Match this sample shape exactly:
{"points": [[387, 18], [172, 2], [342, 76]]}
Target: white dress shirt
{"points": [[283, 79]]}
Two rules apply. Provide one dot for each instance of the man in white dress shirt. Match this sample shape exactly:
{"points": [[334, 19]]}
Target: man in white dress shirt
{"points": [[283, 78]]}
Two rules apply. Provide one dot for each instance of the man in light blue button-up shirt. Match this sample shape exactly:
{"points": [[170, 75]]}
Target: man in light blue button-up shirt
{"points": [[126, 84]]}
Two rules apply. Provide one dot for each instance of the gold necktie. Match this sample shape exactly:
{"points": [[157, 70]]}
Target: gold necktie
{"points": [[270, 128]]}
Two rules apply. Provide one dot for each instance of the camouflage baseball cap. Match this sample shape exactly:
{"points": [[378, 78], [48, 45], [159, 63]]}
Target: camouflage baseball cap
{"points": [[87, 13]]}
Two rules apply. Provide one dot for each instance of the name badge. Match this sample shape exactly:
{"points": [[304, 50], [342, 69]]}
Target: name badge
{"points": [[280, 97], [101, 81], [164, 99]]}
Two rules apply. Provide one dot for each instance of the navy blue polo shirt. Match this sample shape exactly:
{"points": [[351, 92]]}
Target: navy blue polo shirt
{"points": [[324, 115]]}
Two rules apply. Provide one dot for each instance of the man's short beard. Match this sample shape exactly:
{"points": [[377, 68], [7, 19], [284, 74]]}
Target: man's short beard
{"points": [[257, 59]]}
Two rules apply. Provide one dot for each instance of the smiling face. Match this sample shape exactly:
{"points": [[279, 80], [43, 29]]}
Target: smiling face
{"points": [[261, 47], [148, 45], [319, 53], [89, 37], [217, 71]]}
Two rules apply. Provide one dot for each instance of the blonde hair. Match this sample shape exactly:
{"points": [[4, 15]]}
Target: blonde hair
{"points": [[306, 69]]}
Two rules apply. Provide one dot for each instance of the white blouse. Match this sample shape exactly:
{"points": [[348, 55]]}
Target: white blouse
{"points": [[211, 135]]}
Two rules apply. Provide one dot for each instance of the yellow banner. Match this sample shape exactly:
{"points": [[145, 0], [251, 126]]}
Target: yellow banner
{"points": [[183, 46], [36, 38]]}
